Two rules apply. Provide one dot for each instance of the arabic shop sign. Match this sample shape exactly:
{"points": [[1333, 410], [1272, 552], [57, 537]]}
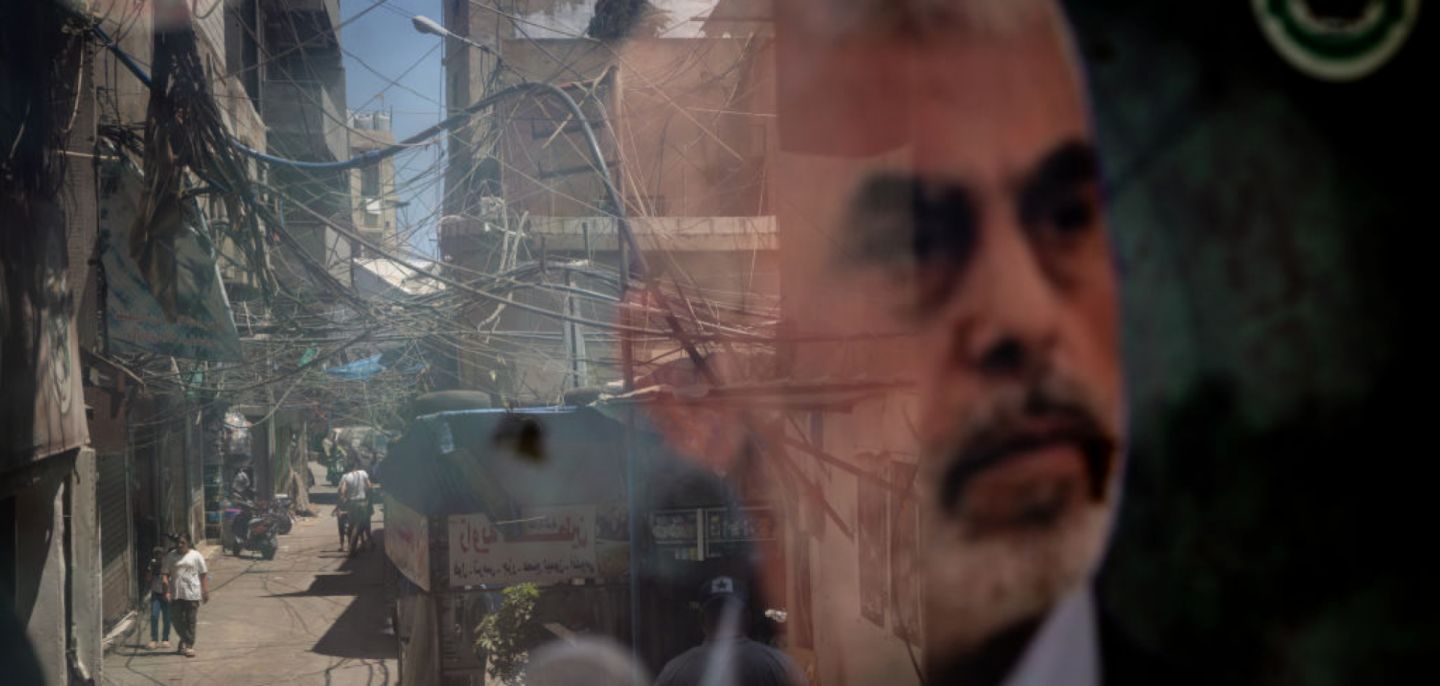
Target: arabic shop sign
{"points": [[546, 545]]}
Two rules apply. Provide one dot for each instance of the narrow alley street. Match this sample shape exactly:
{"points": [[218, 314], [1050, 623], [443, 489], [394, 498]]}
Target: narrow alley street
{"points": [[310, 616]]}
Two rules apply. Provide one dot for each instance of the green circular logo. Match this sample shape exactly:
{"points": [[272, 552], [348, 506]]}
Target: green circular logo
{"points": [[1336, 40]]}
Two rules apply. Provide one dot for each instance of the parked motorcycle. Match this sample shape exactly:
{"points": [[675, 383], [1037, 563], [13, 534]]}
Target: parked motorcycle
{"points": [[280, 507], [254, 528]]}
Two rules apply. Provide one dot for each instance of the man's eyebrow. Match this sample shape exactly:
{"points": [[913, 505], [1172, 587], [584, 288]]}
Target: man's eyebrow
{"points": [[1067, 164], [883, 193], [898, 214], [877, 207], [891, 192]]}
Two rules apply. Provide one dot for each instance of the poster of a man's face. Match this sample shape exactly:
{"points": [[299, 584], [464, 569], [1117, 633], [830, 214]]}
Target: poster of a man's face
{"points": [[970, 229], [942, 227]]}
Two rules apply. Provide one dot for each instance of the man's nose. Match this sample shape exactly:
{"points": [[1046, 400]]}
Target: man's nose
{"points": [[1005, 316]]}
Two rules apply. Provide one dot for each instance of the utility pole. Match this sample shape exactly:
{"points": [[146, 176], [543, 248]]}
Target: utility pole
{"points": [[574, 337]]}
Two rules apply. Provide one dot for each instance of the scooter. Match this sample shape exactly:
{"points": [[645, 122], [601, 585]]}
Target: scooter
{"points": [[280, 508], [253, 529], [333, 471]]}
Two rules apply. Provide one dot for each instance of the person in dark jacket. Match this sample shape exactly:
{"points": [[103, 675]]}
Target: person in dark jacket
{"points": [[728, 657]]}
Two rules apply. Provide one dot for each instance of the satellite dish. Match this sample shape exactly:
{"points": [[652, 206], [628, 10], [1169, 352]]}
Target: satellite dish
{"points": [[1336, 40]]}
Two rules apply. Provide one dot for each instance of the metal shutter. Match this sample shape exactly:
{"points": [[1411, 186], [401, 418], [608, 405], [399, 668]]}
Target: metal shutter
{"points": [[118, 585]]}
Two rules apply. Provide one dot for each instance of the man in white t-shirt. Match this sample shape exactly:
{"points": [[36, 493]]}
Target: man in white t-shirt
{"points": [[190, 586], [354, 506], [355, 485]]}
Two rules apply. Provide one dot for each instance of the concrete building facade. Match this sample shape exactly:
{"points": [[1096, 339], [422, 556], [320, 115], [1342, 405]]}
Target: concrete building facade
{"points": [[373, 186], [688, 156]]}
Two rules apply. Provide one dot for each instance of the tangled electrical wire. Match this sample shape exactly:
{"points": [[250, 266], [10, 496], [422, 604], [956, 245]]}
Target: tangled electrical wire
{"points": [[286, 338]]}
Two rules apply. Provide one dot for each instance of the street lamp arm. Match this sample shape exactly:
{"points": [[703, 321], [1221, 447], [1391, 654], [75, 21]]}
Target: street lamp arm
{"points": [[425, 24]]}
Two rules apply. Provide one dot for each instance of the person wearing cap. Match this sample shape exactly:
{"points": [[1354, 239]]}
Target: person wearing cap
{"points": [[727, 656]]}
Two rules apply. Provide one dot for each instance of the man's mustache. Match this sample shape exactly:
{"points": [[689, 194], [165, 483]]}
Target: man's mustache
{"points": [[1051, 409]]}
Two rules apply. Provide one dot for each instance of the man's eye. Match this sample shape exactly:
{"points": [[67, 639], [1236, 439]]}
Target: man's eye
{"points": [[943, 225], [904, 221], [1072, 215]]}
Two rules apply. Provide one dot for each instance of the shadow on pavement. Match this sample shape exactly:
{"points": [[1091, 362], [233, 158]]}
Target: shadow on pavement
{"points": [[363, 629]]}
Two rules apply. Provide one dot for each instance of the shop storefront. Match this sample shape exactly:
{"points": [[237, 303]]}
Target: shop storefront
{"points": [[478, 501]]}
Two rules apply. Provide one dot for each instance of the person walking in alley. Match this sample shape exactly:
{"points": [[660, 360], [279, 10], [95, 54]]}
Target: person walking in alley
{"points": [[354, 506], [158, 580], [190, 586]]}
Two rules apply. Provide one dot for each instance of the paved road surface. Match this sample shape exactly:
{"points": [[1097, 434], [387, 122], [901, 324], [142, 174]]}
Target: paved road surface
{"points": [[310, 616]]}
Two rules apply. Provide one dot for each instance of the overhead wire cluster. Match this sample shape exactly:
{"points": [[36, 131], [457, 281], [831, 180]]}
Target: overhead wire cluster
{"points": [[289, 326]]}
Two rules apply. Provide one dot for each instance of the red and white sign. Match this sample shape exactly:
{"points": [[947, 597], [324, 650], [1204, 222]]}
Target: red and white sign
{"points": [[407, 542]]}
